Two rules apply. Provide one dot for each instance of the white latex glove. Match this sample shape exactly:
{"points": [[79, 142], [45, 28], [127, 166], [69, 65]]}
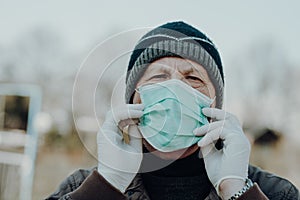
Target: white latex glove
{"points": [[119, 162], [231, 162]]}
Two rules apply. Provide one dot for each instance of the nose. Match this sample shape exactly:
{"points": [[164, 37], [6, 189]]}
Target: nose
{"points": [[177, 75]]}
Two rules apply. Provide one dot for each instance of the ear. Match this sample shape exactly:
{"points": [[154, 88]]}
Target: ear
{"points": [[135, 98]]}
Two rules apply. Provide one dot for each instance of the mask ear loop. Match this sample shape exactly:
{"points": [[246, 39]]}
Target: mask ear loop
{"points": [[137, 90], [219, 144], [212, 101]]}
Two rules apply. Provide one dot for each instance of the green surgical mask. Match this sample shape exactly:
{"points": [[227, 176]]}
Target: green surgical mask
{"points": [[172, 111]]}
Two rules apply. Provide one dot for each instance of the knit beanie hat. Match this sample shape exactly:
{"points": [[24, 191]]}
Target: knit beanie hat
{"points": [[175, 39]]}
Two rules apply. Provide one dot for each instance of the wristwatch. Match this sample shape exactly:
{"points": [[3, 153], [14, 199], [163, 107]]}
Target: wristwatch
{"points": [[248, 185]]}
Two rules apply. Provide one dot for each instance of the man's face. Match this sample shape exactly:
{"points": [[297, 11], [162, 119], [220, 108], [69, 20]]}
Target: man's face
{"points": [[185, 70]]}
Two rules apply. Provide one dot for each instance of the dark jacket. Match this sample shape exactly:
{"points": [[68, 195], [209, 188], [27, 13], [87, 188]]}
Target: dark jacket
{"points": [[89, 184]]}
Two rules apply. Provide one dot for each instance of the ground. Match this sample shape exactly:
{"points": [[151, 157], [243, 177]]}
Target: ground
{"points": [[53, 165]]}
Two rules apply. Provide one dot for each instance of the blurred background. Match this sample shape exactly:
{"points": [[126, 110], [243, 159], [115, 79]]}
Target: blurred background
{"points": [[44, 43]]}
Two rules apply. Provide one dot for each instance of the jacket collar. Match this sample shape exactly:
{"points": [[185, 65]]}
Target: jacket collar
{"points": [[136, 190]]}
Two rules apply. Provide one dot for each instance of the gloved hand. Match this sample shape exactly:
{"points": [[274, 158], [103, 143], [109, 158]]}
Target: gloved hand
{"points": [[231, 162], [119, 162]]}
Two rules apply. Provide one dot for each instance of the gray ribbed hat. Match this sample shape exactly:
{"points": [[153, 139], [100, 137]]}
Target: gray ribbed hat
{"points": [[176, 39]]}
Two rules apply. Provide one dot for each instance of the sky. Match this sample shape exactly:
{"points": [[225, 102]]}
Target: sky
{"points": [[232, 25]]}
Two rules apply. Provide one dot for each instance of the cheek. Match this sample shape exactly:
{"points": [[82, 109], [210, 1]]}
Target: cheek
{"points": [[205, 91], [213, 105], [136, 98], [212, 94], [208, 91]]}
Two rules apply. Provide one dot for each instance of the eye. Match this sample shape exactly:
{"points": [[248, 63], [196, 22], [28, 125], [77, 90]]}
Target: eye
{"points": [[195, 81], [159, 76], [194, 78]]}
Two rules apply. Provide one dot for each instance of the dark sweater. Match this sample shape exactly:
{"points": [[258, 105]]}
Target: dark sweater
{"points": [[182, 179]]}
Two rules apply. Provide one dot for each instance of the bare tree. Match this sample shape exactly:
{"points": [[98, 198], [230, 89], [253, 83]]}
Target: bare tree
{"points": [[264, 84]]}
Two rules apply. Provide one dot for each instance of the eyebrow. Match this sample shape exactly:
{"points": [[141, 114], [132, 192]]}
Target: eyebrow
{"points": [[161, 68], [190, 70]]}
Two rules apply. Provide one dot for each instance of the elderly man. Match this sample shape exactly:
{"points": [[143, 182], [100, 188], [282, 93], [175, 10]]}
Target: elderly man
{"points": [[172, 140]]}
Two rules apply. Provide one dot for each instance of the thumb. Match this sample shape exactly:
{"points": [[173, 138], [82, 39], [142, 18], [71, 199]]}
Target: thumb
{"points": [[206, 150], [135, 137]]}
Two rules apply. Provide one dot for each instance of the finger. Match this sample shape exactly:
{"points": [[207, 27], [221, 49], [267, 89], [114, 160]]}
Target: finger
{"points": [[129, 111], [126, 122], [208, 127], [135, 136], [106, 136], [127, 114], [211, 137], [215, 113], [130, 133], [135, 106], [205, 150]]}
